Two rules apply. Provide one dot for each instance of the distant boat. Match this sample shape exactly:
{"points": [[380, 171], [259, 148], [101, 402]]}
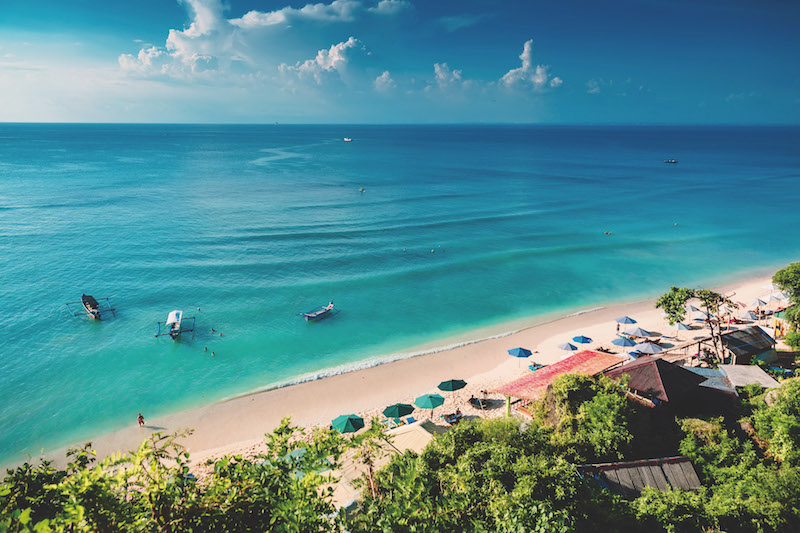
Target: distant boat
{"points": [[347, 139], [321, 312], [672, 161], [91, 307], [173, 325]]}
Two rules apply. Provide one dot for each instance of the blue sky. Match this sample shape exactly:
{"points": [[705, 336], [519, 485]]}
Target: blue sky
{"points": [[399, 61]]}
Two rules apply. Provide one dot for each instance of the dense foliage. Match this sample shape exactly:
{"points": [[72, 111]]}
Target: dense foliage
{"points": [[151, 489], [482, 475], [788, 279], [502, 476]]}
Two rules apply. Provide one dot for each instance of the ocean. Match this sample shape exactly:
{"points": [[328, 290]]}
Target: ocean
{"points": [[458, 229]]}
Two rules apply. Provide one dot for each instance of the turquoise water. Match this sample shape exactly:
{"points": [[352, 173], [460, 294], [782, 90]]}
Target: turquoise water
{"points": [[253, 224]]}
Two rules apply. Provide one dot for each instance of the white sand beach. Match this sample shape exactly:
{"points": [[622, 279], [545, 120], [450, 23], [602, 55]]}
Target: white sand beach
{"points": [[238, 425]]}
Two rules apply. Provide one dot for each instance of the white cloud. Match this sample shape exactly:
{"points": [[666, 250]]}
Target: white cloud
{"points": [[390, 7], [335, 59], [445, 77], [529, 76], [384, 82], [336, 11], [214, 44]]}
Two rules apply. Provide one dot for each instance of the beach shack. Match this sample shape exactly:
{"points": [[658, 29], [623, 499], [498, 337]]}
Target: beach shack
{"points": [[533, 386], [629, 479], [748, 345], [743, 375], [655, 382]]}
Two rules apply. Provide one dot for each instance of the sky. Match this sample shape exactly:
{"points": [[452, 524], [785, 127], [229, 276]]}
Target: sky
{"points": [[401, 61]]}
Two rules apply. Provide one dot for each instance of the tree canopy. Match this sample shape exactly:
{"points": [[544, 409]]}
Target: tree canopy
{"points": [[482, 475]]}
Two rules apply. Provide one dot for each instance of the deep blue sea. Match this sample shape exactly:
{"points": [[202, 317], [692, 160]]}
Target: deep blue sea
{"points": [[459, 228]]}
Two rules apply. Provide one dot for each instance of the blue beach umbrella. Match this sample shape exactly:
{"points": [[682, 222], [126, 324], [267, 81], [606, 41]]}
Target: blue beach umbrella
{"points": [[520, 352], [749, 315], [624, 342], [581, 339], [648, 348], [638, 332], [625, 320], [680, 326], [568, 347]]}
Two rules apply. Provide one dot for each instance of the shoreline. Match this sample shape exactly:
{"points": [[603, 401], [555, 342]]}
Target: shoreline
{"points": [[238, 424]]}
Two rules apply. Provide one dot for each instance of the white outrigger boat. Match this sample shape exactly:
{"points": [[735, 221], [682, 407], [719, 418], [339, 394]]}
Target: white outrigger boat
{"points": [[91, 307], [173, 325]]}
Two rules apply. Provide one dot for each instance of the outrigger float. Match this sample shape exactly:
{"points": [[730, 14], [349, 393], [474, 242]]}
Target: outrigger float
{"points": [[172, 325], [91, 307], [321, 312]]}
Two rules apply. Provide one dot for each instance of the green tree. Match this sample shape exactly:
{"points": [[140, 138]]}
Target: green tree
{"points": [[788, 279], [286, 489], [674, 305]]}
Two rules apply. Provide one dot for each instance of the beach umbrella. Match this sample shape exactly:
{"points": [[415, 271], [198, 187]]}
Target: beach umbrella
{"points": [[750, 315], [758, 302], [700, 315], [519, 352], [649, 348], [429, 401], [638, 332], [692, 308], [567, 346], [625, 320], [581, 339], [397, 410], [347, 423], [770, 286], [772, 297], [680, 326], [625, 342], [453, 384]]}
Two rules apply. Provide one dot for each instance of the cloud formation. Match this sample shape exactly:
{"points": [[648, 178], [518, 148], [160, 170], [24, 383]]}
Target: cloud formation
{"points": [[530, 76], [214, 43], [329, 61], [384, 82]]}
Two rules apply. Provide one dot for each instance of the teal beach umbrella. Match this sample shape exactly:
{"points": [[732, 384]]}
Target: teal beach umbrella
{"points": [[429, 401], [347, 423], [452, 385], [397, 410]]}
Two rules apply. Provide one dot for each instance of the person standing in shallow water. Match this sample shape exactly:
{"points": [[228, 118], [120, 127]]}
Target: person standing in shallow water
{"points": [[141, 420]]}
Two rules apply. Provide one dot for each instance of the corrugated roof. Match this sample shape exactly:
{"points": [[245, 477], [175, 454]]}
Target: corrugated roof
{"points": [[653, 377], [715, 379], [630, 478], [748, 341], [741, 375], [533, 386]]}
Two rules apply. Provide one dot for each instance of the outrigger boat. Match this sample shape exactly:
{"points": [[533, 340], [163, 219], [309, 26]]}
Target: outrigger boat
{"points": [[172, 325], [323, 311], [91, 307]]}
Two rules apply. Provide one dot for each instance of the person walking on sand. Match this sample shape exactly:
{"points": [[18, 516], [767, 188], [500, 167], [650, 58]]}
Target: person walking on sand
{"points": [[141, 420]]}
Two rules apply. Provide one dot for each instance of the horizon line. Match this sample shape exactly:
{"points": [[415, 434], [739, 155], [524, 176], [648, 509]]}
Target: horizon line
{"points": [[543, 124]]}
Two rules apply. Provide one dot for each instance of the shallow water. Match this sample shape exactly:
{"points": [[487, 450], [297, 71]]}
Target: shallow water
{"points": [[460, 227]]}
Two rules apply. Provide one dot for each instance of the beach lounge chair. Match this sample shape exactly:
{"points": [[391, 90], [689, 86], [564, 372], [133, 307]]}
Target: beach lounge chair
{"points": [[535, 366], [410, 420]]}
